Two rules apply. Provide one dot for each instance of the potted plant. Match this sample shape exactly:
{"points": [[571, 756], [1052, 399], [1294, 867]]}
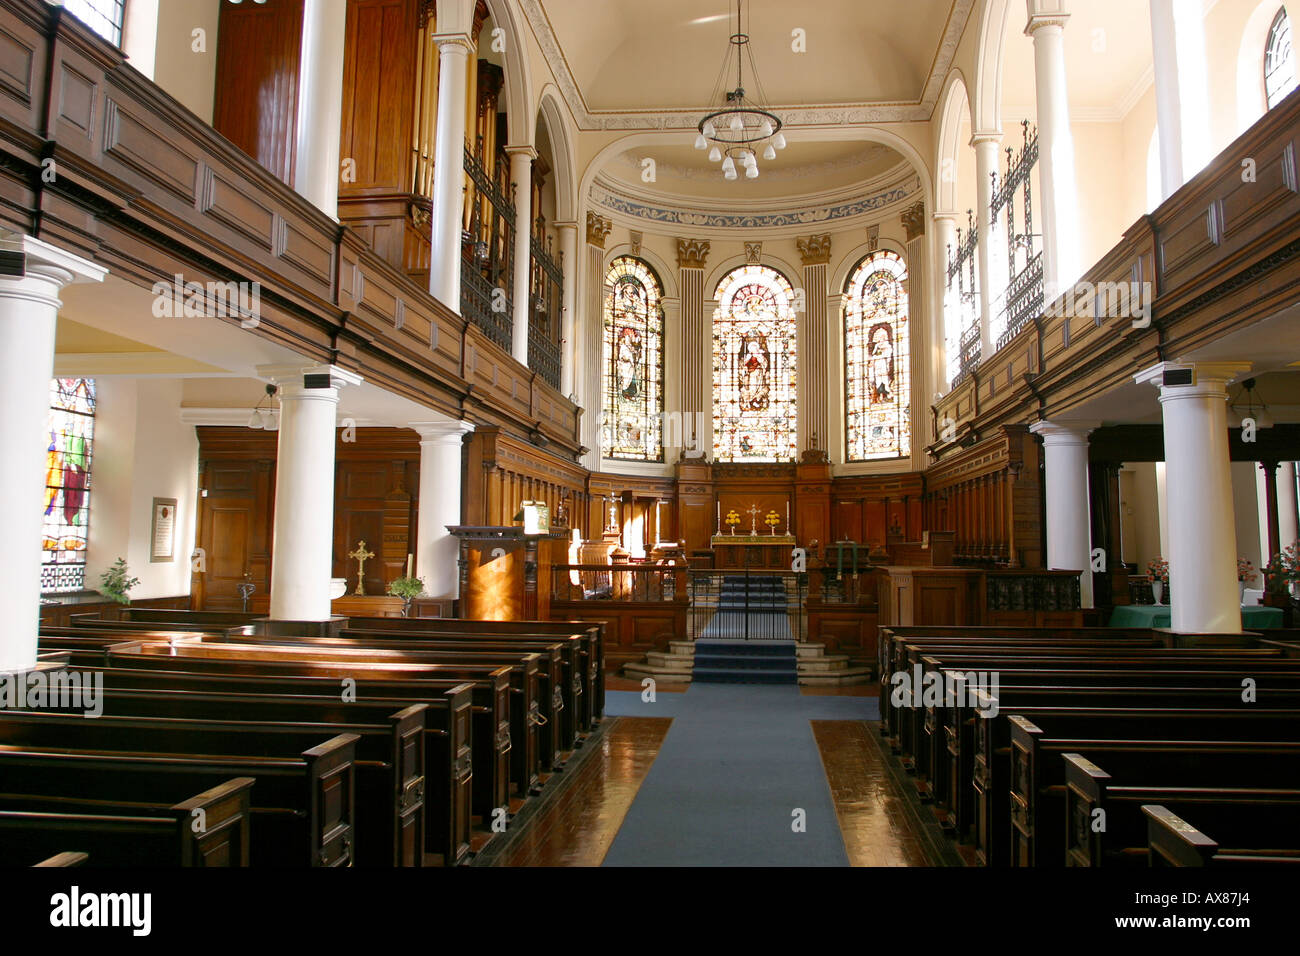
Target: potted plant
{"points": [[1282, 570], [116, 583], [408, 589], [1245, 574], [1159, 571]]}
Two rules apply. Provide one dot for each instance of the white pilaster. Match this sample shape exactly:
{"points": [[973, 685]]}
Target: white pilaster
{"points": [[29, 309], [1169, 122], [949, 334], [449, 168], [521, 174], [569, 295], [436, 551], [1198, 485], [1060, 204], [303, 544], [1182, 90], [1069, 527], [986, 164], [1288, 531], [320, 104]]}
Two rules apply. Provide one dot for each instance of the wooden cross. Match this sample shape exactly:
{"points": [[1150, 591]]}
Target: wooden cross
{"points": [[753, 519], [361, 555]]}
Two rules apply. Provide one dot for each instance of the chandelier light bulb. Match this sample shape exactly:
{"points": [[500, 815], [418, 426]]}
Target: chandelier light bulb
{"points": [[701, 142], [730, 174], [779, 140], [769, 153], [709, 129], [751, 171], [729, 167], [766, 128], [737, 124], [749, 160], [715, 154]]}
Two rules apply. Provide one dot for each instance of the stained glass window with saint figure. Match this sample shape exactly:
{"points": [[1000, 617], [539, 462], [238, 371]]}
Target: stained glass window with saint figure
{"points": [[754, 366], [67, 484], [877, 383], [633, 374]]}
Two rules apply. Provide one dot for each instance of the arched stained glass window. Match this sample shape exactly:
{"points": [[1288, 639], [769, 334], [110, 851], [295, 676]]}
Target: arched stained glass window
{"points": [[67, 484], [633, 369], [754, 365], [1279, 64], [877, 379]]}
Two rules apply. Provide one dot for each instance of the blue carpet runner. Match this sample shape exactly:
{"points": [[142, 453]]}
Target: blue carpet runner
{"points": [[736, 765], [745, 662], [753, 608]]}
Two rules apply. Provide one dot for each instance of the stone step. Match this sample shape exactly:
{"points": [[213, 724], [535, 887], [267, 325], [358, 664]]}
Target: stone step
{"points": [[669, 661], [850, 675], [817, 665], [642, 671]]}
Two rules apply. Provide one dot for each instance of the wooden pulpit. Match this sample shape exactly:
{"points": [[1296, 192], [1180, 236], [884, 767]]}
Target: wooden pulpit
{"points": [[505, 574]]}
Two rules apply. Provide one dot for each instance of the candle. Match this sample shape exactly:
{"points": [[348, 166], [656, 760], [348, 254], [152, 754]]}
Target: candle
{"points": [[787, 517], [719, 517], [409, 559]]}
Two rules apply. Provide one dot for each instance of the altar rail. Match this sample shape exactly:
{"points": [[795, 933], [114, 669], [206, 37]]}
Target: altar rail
{"points": [[748, 605]]}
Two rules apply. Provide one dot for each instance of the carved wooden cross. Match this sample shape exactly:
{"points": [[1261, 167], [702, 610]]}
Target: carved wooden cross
{"points": [[361, 555], [753, 519]]}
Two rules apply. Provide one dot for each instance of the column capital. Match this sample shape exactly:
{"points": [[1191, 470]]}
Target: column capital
{"points": [[324, 376], [913, 220], [598, 228], [440, 433], [49, 261], [1061, 432], [979, 139], [815, 250], [566, 224], [1045, 13], [454, 43], [1192, 379], [692, 253], [515, 152]]}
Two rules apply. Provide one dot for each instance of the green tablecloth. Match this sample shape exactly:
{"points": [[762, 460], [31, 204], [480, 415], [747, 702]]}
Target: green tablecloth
{"points": [[1255, 618]]}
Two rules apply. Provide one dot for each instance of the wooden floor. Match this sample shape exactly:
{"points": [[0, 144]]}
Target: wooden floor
{"points": [[579, 827]]}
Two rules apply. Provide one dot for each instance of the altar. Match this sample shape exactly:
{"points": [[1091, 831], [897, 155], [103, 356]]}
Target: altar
{"points": [[758, 551]]}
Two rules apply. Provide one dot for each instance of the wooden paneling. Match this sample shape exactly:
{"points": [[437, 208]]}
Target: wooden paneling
{"points": [[258, 53]]}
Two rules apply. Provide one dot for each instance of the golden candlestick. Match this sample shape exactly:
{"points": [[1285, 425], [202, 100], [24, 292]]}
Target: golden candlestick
{"points": [[361, 555]]}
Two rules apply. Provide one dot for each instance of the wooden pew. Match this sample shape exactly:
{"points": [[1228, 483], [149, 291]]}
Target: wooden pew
{"points": [[446, 734], [1039, 736], [33, 826], [1172, 841], [301, 806], [1245, 777], [388, 766], [512, 709]]}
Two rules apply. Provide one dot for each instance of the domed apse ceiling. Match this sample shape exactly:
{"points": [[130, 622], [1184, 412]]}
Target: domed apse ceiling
{"points": [[801, 169]]}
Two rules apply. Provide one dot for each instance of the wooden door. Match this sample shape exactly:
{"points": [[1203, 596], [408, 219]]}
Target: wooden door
{"points": [[235, 520]]}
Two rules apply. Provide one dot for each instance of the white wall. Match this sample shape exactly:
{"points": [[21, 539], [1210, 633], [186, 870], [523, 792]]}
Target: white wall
{"points": [[189, 76], [141, 452]]}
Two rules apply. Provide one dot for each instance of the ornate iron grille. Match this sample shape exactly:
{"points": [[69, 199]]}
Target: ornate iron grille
{"points": [[487, 256], [547, 284], [963, 291], [1023, 299]]}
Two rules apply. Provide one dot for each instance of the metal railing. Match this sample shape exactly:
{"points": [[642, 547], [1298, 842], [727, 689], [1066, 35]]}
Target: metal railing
{"points": [[748, 605], [628, 583]]}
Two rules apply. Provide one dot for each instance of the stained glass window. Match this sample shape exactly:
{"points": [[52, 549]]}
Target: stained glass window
{"points": [[103, 16], [1279, 65], [754, 353], [633, 371], [67, 484], [877, 383]]}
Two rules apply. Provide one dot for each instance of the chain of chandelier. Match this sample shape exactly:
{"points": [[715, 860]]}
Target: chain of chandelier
{"points": [[735, 134]]}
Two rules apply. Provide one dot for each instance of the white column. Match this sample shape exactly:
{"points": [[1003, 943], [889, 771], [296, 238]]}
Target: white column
{"points": [[569, 296], [1069, 527], [140, 35], [320, 104], [986, 164], [949, 332], [436, 551], [303, 544], [1288, 531], [1182, 90], [1202, 533], [449, 168], [1060, 204], [521, 174], [29, 309]]}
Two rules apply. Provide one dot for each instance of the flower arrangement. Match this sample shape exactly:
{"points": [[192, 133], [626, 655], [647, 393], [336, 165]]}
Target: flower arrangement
{"points": [[1246, 570], [116, 583], [733, 519], [1283, 569], [1158, 568]]}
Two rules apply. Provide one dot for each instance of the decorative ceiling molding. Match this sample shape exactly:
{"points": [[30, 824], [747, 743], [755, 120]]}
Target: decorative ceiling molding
{"points": [[791, 216], [847, 114], [632, 161]]}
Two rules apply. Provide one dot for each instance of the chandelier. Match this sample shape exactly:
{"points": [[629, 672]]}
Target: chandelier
{"points": [[735, 134]]}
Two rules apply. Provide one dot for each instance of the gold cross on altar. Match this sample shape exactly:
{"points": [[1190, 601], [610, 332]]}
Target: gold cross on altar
{"points": [[361, 555], [753, 519]]}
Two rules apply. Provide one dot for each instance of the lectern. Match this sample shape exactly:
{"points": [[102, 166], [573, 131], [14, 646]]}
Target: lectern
{"points": [[505, 573]]}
